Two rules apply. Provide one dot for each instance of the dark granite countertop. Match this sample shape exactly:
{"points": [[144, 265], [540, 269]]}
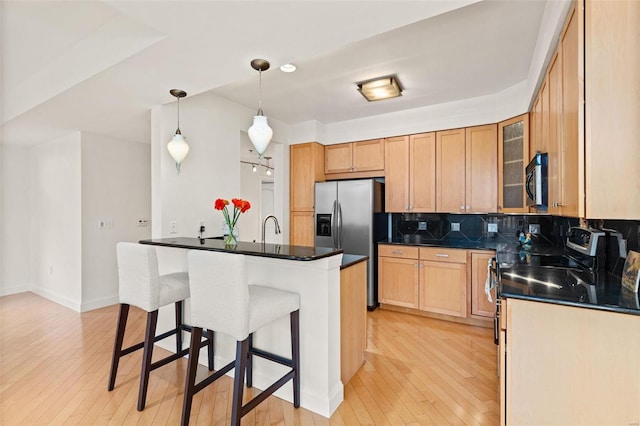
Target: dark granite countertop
{"points": [[277, 251], [544, 276], [416, 240], [352, 259]]}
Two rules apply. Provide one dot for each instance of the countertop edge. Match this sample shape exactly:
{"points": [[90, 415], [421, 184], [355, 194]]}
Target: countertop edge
{"points": [[352, 259], [604, 308]]}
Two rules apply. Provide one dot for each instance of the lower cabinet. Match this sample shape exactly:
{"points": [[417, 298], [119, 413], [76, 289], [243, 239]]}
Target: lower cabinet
{"points": [[564, 365], [353, 319], [301, 229], [443, 281], [438, 280], [398, 275]]}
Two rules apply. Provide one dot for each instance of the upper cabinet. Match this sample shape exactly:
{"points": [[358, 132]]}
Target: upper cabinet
{"points": [[586, 113], [612, 110], [355, 159], [410, 184], [307, 168], [513, 156], [467, 170]]}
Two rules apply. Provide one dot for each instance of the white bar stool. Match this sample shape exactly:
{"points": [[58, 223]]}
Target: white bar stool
{"points": [[141, 285], [223, 301]]}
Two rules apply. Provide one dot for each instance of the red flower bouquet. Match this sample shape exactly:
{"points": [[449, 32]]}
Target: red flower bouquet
{"points": [[239, 206]]}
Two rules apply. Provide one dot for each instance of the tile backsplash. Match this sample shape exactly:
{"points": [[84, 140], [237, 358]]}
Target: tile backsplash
{"points": [[475, 227]]}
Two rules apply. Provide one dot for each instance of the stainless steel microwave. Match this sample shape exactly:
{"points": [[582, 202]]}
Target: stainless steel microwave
{"points": [[536, 183]]}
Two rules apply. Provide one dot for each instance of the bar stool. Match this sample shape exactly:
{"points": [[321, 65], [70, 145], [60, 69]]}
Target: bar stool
{"points": [[141, 285], [222, 300]]}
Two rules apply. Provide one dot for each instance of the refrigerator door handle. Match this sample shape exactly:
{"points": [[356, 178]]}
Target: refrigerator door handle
{"points": [[339, 226], [334, 222]]}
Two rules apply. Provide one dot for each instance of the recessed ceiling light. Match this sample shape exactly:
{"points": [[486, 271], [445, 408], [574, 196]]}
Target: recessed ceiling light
{"points": [[380, 88], [287, 68]]}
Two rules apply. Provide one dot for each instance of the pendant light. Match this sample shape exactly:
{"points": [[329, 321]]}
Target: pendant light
{"points": [[260, 133], [178, 147]]}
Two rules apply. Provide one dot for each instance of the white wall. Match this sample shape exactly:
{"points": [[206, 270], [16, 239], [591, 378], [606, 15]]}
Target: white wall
{"points": [[116, 190], [56, 217], [14, 239], [213, 127]]}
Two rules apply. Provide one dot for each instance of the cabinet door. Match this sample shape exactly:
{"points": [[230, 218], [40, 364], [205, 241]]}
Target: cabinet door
{"points": [[398, 281], [337, 158], [535, 130], [481, 174], [307, 167], [450, 170], [555, 133], [480, 305], [443, 288], [301, 227], [396, 174], [543, 140], [513, 156], [422, 170], [368, 155], [569, 188]]}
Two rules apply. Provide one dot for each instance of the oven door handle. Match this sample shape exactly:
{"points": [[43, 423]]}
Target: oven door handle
{"points": [[496, 323]]}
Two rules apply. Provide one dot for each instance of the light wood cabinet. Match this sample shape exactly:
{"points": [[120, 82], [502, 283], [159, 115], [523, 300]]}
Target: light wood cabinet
{"points": [[467, 170], [443, 281], [398, 275], [353, 319], [355, 159], [480, 305], [301, 229], [513, 157], [481, 169], [306, 168], [410, 184], [611, 140], [580, 365], [450, 170]]}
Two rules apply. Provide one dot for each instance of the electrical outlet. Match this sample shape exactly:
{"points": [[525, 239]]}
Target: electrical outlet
{"points": [[422, 226], [173, 227], [142, 222], [455, 226], [492, 227], [534, 228]]}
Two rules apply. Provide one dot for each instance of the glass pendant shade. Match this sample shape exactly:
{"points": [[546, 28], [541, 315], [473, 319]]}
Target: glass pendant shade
{"points": [[178, 148], [260, 133]]}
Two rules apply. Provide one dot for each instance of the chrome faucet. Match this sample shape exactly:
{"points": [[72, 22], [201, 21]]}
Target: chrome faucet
{"points": [[264, 225]]}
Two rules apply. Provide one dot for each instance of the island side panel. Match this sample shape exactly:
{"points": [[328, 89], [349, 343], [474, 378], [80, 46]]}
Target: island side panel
{"points": [[353, 319]]}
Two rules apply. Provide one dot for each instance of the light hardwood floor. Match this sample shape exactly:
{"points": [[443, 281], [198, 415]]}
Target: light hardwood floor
{"points": [[54, 366]]}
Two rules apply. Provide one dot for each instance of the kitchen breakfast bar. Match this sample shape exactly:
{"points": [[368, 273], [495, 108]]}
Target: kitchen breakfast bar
{"points": [[315, 274]]}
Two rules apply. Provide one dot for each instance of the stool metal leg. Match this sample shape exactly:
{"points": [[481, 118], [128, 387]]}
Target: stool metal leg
{"points": [[149, 338], [117, 345], [295, 355], [192, 368], [178, 326], [242, 349]]}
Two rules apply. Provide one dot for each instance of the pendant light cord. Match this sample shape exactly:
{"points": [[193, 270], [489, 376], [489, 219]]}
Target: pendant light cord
{"points": [[178, 129], [260, 95]]}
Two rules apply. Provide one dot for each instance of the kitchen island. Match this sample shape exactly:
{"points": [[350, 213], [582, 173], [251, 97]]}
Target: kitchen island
{"points": [[312, 272]]}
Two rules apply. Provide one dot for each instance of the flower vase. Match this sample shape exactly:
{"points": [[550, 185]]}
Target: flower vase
{"points": [[230, 238]]}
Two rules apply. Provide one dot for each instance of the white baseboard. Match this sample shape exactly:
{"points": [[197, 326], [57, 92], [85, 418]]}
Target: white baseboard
{"points": [[6, 291], [99, 303], [54, 297]]}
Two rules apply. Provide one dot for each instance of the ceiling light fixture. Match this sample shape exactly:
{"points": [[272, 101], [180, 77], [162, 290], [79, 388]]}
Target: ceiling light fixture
{"points": [[178, 147], [267, 166], [287, 68], [380, 88], [260, 133]]}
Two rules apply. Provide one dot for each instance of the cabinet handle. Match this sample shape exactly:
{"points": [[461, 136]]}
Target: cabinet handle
{"points": [[397, 252], [441, 255], [461, 207], [410, 208], [468, 208]]}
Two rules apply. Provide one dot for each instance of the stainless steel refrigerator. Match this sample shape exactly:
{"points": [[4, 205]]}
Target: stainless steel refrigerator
{"points": [[349, 214]]}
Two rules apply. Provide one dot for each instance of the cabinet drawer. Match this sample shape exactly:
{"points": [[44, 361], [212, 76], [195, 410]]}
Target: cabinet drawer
{"points": [[443, 255], [406, 252]]}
